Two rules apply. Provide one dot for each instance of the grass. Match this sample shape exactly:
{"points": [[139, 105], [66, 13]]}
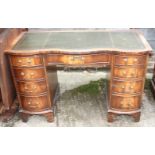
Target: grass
{"points": [[93, 88]]}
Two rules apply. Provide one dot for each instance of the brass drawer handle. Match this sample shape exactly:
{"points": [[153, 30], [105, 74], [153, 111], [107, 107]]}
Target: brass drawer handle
{"points": [[26, 89], [19, 61], [22, 73], [133, 73], [131, 87], [124, 72], [123, 87], [34, 87], [130, 105], [77, 57], [125, 59], [29, 61], [37, 103], [31, 73], [135, 60], [30, 103]]}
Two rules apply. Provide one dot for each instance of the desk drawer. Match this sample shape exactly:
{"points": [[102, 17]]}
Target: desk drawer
{"points": [[78, 59], [32, 88], [20, 61], [129, 72], [130, 60], [29, 73], [125, 103], [35, 104], [127, 86]]}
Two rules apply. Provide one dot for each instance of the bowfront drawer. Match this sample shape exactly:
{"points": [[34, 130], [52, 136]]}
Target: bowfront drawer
{"points": [[29, 73], [127, 86], [31, 88], [20, 61], [78, 59], [130, 60], [129, 72], [125, 103], [35, 104]]}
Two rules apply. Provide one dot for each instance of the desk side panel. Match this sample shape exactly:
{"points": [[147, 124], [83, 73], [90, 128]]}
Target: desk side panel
{"points": [[8, 92]]}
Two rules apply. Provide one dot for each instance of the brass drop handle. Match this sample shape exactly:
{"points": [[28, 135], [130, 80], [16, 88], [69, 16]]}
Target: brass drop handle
{"points": [[125, 59], [77, 57], [34, 87], [25, 88], [122, 105], [22, 73], [37, 103], [131, 87], [29, 103], [124, 72], [123, 87], [130, 104], [29, 61], [19, 61], [31, 73], [30, 91]]}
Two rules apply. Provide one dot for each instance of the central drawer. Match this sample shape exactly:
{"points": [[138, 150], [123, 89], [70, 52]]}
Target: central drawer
{"points": [[29, 73], [78, 59], [35, 104], [32, 88]]}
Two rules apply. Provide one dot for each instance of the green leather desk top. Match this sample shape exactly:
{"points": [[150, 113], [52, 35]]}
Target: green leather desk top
{"points": [[82, 41]]}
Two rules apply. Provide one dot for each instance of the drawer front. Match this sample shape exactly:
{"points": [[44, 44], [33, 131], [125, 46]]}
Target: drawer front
{"points": [[35, 104], [29, 73], [125, 103], [32, 88], [127, 86], [130, 60], [128, 72], [20, 61], [78, 59]]}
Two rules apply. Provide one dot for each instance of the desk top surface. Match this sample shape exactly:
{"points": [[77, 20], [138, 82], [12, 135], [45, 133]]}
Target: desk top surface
{"points": [[77, 41]]}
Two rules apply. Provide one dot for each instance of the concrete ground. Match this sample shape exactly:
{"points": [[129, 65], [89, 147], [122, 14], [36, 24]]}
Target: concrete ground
{"points": [[84, 109]]}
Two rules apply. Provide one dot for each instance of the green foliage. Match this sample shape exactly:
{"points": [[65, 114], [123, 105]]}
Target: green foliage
{"points": [[92, 88]]}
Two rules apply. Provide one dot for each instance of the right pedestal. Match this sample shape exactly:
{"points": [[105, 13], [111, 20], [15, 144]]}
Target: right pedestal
{"points": [[126, 85]]}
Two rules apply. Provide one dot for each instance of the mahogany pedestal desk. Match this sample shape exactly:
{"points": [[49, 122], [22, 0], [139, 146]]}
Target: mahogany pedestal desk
{"points": [[124, 52]]}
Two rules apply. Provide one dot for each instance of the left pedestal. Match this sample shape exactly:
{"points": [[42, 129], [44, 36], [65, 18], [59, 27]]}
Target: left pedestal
{"points": [[31, 82]]}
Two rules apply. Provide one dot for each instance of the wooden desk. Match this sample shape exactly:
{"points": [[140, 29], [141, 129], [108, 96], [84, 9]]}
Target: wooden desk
{"points": [[125, 52]]}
